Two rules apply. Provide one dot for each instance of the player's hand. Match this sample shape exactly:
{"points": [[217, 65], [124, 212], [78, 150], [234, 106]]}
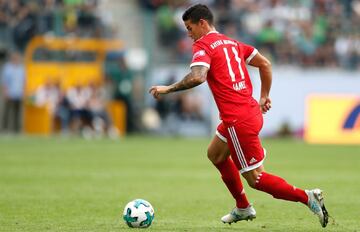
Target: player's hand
{"points": [[157, 90], [265, 104]]}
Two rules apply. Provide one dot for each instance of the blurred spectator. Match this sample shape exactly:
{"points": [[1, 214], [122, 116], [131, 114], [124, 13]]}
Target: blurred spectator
{"points": [[101, 123], [347, 49], [151, 4], [122, 87], [3, 20], [13, 78], [47, 17], [168, 31], [78, 98], [62, 113], [270, 39], [168, 103], [306, 45], [50, 95], [25, 28], [190, 106]]}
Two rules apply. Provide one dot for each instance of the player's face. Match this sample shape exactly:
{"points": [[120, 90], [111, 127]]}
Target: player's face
{"points": [[195, 30]]}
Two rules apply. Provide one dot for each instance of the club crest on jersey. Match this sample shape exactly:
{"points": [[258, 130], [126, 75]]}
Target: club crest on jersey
{"points": [[198, 54]]}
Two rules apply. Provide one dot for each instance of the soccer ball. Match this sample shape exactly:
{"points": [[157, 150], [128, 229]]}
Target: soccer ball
{"points": [[138, 214]]}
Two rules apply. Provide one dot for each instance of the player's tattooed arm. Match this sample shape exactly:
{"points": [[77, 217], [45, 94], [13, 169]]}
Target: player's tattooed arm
{"points": [[196, 77]]}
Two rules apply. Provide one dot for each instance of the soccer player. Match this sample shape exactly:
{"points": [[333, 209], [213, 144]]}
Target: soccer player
{"points": [[221, 61]]}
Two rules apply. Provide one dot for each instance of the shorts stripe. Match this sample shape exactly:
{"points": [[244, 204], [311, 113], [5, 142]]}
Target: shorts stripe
{"points": [[236, 150], [241, 151], [237, 147], [238, 143]]}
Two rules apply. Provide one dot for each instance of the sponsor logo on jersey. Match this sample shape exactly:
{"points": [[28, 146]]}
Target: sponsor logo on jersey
{"points": [[222, 42]]}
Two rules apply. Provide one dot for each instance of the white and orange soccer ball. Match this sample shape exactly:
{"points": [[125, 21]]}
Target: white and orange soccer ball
{"points": [[138, 214]]}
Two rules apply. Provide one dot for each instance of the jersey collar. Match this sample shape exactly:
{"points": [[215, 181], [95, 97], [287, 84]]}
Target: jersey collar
{"points": [[210, 32]]}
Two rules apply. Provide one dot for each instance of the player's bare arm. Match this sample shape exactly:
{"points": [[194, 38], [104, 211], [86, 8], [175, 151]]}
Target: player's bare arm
{"points": [[265, 71], [196, 77]]}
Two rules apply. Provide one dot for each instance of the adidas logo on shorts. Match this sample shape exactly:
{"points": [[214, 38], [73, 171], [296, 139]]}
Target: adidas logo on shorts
{"points": [[253, 160]]}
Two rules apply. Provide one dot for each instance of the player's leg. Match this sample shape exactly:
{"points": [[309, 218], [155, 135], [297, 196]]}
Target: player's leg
{"points": [[218, 154], [274, 185], [280, 189], [251, 156]]}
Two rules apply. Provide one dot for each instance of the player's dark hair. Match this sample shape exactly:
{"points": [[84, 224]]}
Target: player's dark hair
{"points": [[197, 12]]}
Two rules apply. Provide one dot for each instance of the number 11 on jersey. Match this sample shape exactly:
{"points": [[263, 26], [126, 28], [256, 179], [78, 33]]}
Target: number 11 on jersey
{"points": [[241, 84]]}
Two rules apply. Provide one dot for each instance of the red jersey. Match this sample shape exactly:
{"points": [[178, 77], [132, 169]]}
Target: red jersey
{"points": [[227, 77]]}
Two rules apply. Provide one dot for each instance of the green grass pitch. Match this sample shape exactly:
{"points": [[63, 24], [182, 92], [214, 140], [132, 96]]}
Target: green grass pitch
{"points": [[59, 184]]}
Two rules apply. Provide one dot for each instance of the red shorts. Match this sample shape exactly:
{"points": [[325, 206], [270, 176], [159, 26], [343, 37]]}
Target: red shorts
{"points": [[244, 143]]}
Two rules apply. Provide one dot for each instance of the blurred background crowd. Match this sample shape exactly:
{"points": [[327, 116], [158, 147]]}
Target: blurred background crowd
{"points": [[20, 20], [304, 33]]}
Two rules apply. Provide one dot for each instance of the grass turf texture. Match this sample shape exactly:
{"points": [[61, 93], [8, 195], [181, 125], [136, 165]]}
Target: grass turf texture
{"points": [[59, 184]]}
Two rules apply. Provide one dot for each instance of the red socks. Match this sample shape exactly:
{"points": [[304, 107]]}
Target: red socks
{"points": [[231, 177], [279, 188], [273, 185]]}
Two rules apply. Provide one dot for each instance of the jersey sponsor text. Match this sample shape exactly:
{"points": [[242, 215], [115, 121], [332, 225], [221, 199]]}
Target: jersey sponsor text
{"points": [[222, 42]]}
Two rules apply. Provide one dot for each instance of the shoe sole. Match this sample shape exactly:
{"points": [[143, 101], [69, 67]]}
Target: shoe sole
{"points": [[250, 217], [320, 198]]}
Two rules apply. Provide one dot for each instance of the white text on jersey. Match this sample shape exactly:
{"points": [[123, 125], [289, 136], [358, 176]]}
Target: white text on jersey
{"points": [[222, 42], [239, 85]]}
